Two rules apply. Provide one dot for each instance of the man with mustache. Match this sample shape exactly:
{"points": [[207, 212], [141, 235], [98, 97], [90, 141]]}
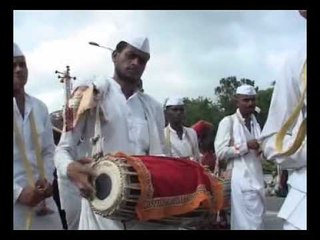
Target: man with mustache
{"points": [[34, 207], [236, 143], [132, 122]]}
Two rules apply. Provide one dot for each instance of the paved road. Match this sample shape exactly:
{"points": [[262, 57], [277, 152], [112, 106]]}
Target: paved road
{"points": [[272, 222]]}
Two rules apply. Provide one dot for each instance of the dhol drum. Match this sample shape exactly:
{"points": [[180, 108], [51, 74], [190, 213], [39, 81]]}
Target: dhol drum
{"points": [[117, 188], [118, 192]]}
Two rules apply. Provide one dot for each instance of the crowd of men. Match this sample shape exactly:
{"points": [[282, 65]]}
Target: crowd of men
{"points": [[123, 118]]}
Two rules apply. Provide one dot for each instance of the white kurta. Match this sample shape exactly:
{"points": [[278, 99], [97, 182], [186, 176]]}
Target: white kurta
{"points": [[286, 95], [133, 126], [44, 129], [138, 135], [247, 186], [185, 147]]}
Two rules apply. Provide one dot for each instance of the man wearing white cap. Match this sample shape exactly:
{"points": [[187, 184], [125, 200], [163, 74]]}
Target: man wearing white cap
{"points": [[130, 121], [236, 143], [180, 141], [34, 207], [284, 137]]}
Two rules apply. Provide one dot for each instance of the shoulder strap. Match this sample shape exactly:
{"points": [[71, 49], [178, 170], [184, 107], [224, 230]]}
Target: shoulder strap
{"points": [[23, 152], [192, 145], [167, 140], [217, 166], [35, 140], [97, 140], [231, 129], [27, 168]]}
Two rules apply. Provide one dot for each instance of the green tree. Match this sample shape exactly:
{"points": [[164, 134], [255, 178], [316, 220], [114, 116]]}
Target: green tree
{"points": [[201, 109], [226, 91], [263, 101]]}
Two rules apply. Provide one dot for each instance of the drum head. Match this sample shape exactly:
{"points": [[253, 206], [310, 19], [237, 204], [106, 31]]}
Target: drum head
{"points": [[108, 185]]}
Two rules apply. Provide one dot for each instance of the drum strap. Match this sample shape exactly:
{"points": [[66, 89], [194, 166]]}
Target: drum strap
{"points": [[35, 139], [97, 140], [217, 170], [25, 161]]}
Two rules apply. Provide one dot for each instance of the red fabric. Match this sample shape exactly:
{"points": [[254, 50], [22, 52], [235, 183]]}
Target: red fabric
{"points": [[173, 186], [201, 127], [170, 186], [174, 176], [209, 159], [68, 119]]}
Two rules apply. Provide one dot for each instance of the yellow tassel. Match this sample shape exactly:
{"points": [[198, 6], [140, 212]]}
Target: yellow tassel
{"points": [[303, 127]]}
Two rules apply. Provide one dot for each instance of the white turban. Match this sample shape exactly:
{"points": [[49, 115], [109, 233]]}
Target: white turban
{"points": [[174, 101], [246, 90], [17, 51], [141, 43]]}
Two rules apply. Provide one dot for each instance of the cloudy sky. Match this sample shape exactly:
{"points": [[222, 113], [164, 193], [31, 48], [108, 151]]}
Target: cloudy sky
{"points": [[190, 50]]}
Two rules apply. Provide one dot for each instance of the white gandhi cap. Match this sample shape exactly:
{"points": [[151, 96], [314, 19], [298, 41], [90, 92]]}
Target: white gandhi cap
{"points": [[141, 43], [246, 90], [17, 51], [174, 101]]}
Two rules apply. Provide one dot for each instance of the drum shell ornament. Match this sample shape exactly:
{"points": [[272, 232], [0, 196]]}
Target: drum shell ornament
{"points": [[118, 191]]}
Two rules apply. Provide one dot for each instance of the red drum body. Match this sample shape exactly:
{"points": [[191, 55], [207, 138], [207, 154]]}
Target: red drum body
{"points": [[125, 191]]}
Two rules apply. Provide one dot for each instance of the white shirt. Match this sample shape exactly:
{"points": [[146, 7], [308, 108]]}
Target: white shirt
{"points": [[247, 185], [137, 123], [286, 95], [132, 126], [124, 128], [244, 162], [287, 91], [44, 129], [185, 147]]}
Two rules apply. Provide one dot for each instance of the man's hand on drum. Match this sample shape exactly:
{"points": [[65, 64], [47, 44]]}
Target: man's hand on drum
{"points": [[79, 173]]}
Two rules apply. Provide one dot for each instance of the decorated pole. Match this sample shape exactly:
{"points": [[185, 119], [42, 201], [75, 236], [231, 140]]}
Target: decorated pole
{"points": [[67, 111]]}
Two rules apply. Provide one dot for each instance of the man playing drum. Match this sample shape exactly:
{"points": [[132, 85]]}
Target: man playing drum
{"points": [[130, 120]]}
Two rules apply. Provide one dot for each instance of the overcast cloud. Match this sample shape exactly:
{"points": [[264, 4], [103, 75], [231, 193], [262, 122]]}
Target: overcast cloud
{"points": [[190, 50]]}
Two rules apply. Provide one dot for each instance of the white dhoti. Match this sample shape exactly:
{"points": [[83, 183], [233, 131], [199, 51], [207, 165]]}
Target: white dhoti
{"points": [[247, 184], [70, 200], [289, 226], [91, 221], [247, 208], [294, 210]]}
